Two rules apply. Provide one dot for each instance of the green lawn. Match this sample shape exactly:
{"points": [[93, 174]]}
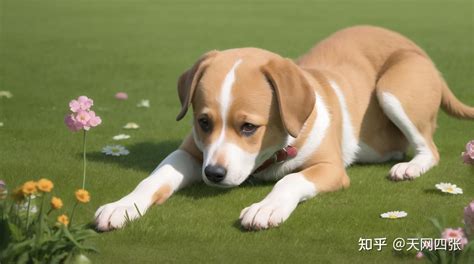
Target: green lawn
{"points": [[53, 51]]}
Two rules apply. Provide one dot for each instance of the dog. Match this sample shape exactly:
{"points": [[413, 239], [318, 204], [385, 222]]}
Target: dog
{"points": [[364, 94]]}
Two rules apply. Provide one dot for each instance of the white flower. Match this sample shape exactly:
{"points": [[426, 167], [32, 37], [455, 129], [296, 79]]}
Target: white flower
{"points": [[394, 214], [144, 103], [115, 150], [6, 94], [1, 124], [23, 208], [121, 137], [448, 188], [131, 125]]}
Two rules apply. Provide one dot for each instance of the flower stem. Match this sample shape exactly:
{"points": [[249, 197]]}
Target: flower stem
{"points": [[72, 213], [28, 212], [39, 230], [84, 159]]}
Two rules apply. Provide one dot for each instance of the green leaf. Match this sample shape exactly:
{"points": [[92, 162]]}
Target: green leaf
{"points": [[5, 234], [23, 259], [59, 258]]}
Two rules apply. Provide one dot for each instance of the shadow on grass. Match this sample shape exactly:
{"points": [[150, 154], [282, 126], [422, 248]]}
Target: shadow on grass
{"points": [[435, 192], [144, 156]]}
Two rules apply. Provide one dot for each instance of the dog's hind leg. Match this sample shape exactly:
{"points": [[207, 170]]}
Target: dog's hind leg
{"points": [[409, 92]]}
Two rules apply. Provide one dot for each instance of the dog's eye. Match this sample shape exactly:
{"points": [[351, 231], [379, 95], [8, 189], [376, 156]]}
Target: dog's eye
{"points": [[248, 129], [205, 124]]}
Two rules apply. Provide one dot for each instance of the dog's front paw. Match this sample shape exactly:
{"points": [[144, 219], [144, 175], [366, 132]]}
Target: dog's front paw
{"points": [[405, 171], [116, 215], [266, 214]]}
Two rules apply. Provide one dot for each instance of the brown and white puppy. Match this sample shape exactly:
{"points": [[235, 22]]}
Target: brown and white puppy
{"points": [[362, 95]]}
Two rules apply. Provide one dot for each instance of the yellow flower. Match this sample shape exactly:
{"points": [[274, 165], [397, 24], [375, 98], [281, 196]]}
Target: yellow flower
{"points": [[45, 185], [18, 195], [56, 203], [29, 188], [83, 196], [63, 219]]}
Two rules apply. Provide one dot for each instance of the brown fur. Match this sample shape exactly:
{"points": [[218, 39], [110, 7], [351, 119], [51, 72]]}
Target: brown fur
{"points": [[162, 194]]}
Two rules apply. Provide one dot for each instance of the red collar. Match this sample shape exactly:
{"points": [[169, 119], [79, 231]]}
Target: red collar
{"points": [[282, 155]]}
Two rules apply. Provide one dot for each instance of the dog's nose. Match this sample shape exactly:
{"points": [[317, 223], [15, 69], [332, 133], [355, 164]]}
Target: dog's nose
{"points": [[215, 173]]}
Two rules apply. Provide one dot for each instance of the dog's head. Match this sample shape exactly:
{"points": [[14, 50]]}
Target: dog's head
{"points": [[247, 103]]}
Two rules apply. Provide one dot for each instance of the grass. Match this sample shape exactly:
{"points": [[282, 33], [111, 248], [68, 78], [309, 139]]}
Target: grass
{"points": [[53, 51]]}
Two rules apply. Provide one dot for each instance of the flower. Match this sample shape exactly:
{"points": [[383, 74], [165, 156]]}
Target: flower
{"points": [[81, 103], [1, 124], [29, 188], [394, 214], [131, 125], [63, 219], [45, 185], [468, 156], [121, 96], [456, 234], [56, 203], [419, 255], [121, 137], [83, 196], [71, 123], [93, 120], [83, 117], [115, 150], [23, 208], [144, 103], [448, 188], [3, 190], [6, 94], [469, 218], [82, 120]]}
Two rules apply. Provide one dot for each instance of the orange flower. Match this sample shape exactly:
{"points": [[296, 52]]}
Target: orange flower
{"points": [[83, 196], [29, 188], [56, 203], [63, 219], [45, 185]]}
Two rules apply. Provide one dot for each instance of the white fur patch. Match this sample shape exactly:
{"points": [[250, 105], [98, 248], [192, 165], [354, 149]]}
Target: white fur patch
{"points": [[177, 170], [239, 162], [350, 146], [225, 99], [424, 158], [368, 155], [239, 166], [279, 203], [314, 139]]}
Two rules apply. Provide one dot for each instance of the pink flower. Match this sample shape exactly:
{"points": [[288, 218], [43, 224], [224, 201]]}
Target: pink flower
{"points": [[469, 218], [419, 255], [121, 96], [94, 120], [72, 124], [82, 117], [457, 234], [81, 103], [468, 156]]}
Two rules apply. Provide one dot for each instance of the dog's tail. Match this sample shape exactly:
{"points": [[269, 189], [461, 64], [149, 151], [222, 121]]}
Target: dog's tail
{"points": [[453, 106]]}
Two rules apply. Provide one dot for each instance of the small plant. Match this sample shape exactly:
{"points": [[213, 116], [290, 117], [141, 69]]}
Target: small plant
{"points": [[468, 155], [82, 118], [31, 234], [461, 238]]}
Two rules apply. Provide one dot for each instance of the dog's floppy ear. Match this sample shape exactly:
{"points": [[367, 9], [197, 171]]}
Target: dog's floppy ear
{"points": [[294, 94], [188, 81]]}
